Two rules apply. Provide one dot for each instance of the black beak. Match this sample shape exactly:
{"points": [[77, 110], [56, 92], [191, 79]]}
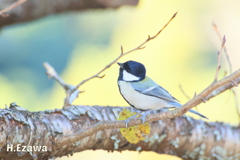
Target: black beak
{"points": [[120, 64]]}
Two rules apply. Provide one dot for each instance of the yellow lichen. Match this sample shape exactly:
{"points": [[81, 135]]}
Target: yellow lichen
{"points": [[136, 133]]}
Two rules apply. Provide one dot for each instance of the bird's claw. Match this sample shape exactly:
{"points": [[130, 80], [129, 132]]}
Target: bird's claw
{"points": [[144, 115], [128, 120], [143, 118]]}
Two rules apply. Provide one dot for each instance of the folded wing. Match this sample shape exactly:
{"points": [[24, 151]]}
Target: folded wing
{"points": [[151, 88]]}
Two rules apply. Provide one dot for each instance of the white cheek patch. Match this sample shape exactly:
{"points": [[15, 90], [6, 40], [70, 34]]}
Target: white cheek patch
{"points": [[129, 77]]}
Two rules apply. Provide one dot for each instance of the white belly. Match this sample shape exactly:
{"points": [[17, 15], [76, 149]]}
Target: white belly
{"points": [[141, 101]]}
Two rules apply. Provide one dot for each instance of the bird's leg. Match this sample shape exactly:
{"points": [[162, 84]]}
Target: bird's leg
{"points": [[143, 118], [144, 115]]}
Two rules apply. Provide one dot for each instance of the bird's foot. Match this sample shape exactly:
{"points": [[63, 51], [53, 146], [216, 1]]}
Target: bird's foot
{"points": [[144, 115], [128, 120], [143, 118]]}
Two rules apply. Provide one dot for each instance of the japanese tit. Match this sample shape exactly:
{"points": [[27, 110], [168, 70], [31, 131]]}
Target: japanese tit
{"points": [[141, 92]]}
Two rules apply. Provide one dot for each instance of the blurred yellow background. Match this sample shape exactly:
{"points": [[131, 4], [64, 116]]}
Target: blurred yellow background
{"points": [[184, 53]]}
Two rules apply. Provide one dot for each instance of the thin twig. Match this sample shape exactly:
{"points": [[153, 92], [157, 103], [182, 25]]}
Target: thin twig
{"points": [[225, 73], [51, 73], [230, 68], [152, 117], [219, 59], [14, 5], [195, 94], [183, 92], [141, 46], [225, 48]]}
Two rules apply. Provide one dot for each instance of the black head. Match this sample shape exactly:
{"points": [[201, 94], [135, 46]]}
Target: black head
{"points": [[132, 71]]}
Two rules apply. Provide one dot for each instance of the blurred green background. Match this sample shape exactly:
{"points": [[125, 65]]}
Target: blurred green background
{"points": [[79, 44]]}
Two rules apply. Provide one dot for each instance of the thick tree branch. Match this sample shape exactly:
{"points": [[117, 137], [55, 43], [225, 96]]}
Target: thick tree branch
{"points": [[34, 9], [183, 136], [202, 97], [77, 128]]}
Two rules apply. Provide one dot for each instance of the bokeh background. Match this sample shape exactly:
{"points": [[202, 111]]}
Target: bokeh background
{"points": [[79, 44]]}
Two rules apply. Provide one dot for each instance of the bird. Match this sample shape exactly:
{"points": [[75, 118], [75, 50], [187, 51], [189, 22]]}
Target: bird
{"points": [[142, 93]]}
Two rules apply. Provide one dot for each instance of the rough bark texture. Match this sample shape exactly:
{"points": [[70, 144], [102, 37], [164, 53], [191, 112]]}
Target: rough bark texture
{"points": [[183, 136], [33, 9]]}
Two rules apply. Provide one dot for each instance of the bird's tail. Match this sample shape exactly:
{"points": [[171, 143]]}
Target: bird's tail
{"points": [[197, 113], [191, 110]]}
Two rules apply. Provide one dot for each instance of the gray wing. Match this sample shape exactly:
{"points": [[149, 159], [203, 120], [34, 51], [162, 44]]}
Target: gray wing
{"points": [[151, 88]]}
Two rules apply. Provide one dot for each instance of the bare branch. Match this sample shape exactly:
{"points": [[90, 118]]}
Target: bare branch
{"points": [[235, 83], [141, 46], [204, 100], [122, 49], [157, 116], [46, 129], [225, 48], [51, 73], [219, 59], [195, 94], [223, 88], [101, 76], [35, 9], [230, 68], [14, 5], [184, 93], [150, 38]]}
